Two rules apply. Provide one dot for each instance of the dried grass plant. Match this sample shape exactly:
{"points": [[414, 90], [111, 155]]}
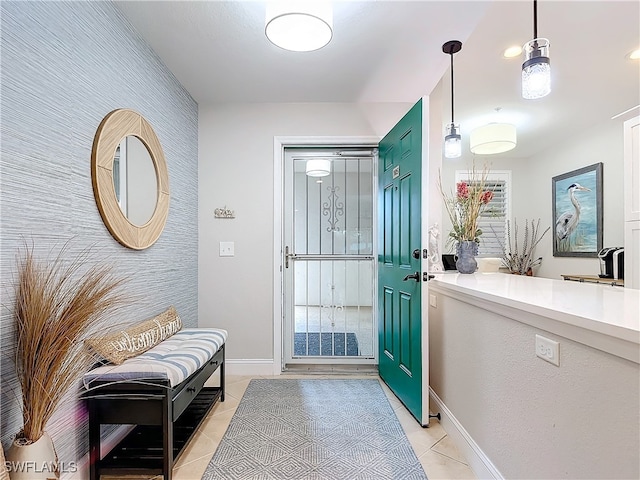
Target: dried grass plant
{"points": [[519, 257], [58, 304]]}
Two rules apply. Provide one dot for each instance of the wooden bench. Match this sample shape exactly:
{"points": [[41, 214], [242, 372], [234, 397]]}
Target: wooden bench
{"points": [[165, 415]]}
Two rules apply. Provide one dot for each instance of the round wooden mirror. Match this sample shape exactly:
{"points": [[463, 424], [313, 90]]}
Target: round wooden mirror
{"points": [[117, 126]]}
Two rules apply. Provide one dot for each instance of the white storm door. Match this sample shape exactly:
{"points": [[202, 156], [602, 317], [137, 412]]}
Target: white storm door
{"points": [[329, 271]]}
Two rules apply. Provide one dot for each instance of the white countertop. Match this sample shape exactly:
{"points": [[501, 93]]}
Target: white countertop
{"points": [[601, 308]]}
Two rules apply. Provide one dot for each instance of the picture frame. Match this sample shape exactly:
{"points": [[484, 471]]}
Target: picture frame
{"points": [[577, 212]]}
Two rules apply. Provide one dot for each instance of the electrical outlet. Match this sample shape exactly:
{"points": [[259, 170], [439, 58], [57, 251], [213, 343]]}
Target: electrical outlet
{"points": [[433, 300], [548, 350], [227, 249]]}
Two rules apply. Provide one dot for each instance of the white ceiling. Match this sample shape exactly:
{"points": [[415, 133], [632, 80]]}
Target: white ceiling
{"points": [[391, 51]]}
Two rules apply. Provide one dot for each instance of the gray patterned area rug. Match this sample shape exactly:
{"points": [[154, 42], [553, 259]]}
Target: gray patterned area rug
{"points": [[314, 429]]}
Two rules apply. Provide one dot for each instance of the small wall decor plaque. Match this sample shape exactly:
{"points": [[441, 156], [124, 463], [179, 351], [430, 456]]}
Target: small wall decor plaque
{"points": [[224, 213]]}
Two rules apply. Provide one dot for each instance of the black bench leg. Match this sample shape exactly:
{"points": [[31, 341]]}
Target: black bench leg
{"points": [[94, 440], [222, 375], [167, 437]]}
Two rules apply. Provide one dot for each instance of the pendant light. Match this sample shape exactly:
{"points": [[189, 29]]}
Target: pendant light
{"points": [[452, 139], [536, 69], [318, 167], [299, 26], [493, 138]]}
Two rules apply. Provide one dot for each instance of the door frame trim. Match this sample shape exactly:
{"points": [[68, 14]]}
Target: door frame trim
{"points": [[279, 144]]}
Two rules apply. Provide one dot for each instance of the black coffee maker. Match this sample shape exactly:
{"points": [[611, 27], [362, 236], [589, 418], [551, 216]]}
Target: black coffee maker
{"points": [[611, 263]]}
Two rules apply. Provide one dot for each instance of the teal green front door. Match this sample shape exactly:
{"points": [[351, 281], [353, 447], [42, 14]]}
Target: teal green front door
{"points": [[399, 262]]}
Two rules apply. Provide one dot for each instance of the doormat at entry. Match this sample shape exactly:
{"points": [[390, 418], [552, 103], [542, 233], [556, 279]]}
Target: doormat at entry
{"points": [[325, 344]]}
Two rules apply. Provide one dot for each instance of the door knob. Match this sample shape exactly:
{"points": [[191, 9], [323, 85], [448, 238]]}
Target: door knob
{"points": [[416, 253], [414, 276]]}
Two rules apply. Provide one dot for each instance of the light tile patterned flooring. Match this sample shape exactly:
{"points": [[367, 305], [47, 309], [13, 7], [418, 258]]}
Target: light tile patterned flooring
{"points": [[437, 454]]}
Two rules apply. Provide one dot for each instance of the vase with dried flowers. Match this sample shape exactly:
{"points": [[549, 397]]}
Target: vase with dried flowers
{"points": [[57, 306], [464, 207], [519, 255]]}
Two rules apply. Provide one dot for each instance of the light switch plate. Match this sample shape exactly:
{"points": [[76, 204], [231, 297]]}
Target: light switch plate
{"points": [[227, 249]]}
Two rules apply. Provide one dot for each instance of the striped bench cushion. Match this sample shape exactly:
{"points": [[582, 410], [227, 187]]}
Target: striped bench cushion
{"points": [[173, 359]]}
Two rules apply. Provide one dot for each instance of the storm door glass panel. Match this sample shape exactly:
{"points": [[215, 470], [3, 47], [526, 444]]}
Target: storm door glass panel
{"points": [[332, 262]]}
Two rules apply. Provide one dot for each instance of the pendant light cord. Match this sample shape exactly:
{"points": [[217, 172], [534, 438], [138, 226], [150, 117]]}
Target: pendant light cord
{"points": [[451, 47], [451, 55], [535, 19]]}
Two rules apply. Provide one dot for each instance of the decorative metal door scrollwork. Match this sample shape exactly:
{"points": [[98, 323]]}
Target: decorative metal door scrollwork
{"points": [[333, 208]]}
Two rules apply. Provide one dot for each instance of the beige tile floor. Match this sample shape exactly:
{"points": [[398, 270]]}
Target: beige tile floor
{"points": [[437, 454]]}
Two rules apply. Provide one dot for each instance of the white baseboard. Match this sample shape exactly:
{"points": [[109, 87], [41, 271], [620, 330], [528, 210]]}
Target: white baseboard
{"points": [[478, 461], [256, 366]]}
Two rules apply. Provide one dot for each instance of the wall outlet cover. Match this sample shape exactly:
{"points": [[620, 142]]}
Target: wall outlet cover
{"points": [[548, 350]]}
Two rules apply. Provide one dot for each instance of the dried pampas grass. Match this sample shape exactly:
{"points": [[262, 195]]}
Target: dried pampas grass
{"points": [[58, 304]]}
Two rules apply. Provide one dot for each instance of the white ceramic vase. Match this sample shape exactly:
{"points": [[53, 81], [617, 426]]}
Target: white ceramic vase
{"points": [[4, 475], [33, 461]]}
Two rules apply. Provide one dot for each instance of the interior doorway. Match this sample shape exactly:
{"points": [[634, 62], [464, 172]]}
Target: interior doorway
{"points": [[329, 266]]}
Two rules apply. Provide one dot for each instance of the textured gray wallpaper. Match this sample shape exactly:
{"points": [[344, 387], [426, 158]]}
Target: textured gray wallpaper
{"points": [[64, 66]]}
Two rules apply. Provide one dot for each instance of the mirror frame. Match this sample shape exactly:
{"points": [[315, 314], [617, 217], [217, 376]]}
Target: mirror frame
{"points": [[117, 125]]}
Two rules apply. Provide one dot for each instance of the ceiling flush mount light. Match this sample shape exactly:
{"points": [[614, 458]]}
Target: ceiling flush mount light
{"points": [[536, 69], [493, 138], [512, 52], [299, 26], [452, 139], [318, 167]]}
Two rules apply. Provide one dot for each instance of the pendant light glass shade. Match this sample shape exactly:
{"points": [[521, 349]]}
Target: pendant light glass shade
{"points": [[299, 26], [452, 141], [493, 138], [318, 167], [536, 70]]}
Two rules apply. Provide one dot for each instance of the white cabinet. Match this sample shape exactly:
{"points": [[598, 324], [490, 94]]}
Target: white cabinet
{"points": [[632, 203]]}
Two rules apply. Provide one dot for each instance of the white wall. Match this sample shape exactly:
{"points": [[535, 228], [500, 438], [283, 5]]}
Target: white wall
{"points": [[435, 131], [236, 169]]}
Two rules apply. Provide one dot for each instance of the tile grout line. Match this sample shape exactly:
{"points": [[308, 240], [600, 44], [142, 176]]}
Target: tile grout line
{"points": [[444, 454]]}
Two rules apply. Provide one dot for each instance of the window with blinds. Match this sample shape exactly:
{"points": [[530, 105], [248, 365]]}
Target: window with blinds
{"points": [[493, 220]]}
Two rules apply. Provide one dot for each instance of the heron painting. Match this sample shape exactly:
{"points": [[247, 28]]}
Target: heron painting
{"points": [[577, 212]]}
